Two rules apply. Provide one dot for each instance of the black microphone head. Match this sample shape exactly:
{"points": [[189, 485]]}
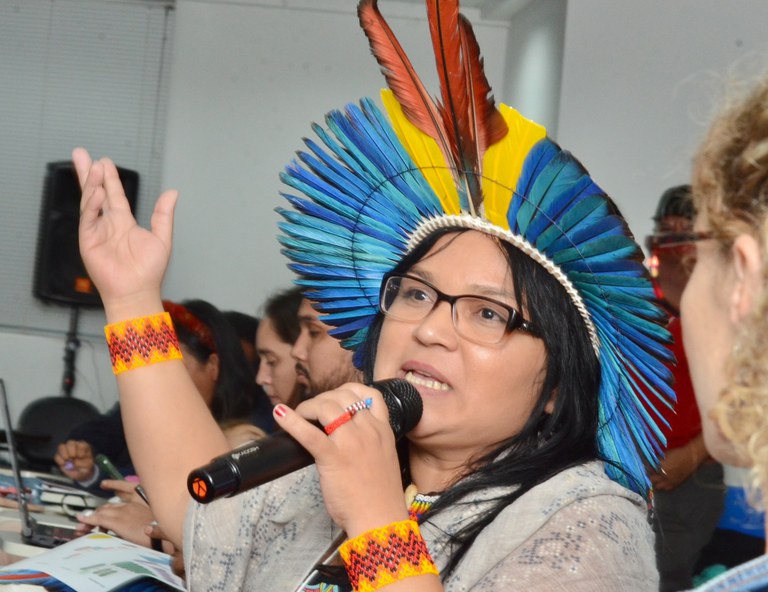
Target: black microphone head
{"points": [[404, 404]]}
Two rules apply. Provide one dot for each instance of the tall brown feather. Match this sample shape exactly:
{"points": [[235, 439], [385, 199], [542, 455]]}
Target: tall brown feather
{"points": [[489, 125], [401, 77], [443, 19], [469, 113]]}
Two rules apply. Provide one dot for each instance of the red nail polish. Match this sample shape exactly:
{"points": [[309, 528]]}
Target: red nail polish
{"points": [[280, 410]]}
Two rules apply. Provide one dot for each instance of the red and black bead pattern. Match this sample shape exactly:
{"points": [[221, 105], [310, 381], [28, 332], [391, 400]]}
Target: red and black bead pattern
{"points": [[141, 342], [386, 555]]}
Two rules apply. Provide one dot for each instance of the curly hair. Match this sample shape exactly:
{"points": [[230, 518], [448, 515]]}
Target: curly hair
{"points": [[730, 192]]}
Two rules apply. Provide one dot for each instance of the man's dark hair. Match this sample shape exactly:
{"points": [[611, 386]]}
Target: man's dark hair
{"points": [[675, 201]]}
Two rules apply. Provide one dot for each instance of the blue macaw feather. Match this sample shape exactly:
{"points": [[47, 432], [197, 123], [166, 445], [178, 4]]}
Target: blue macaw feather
{"points": [[600, 250], [315, 210], [625, 279], [348, 307], [340, 284], [333, 174], [538, 158], [611, 266], [320, 193], [323, 272], [591, 209], [557, 179], [371, 256]]}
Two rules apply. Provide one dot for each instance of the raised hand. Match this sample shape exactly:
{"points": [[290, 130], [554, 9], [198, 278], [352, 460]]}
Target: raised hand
{"points": [[124, 260]]}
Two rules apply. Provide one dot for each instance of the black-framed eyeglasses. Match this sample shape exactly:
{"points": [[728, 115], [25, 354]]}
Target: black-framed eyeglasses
{"points": [[476, 318]]}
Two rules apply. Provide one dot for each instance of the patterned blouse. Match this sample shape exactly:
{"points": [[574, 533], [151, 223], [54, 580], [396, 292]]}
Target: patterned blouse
{"points": [[579, 531]]}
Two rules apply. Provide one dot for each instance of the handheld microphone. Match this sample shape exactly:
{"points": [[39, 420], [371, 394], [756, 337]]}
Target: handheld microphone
{"points": [[256, 463]]}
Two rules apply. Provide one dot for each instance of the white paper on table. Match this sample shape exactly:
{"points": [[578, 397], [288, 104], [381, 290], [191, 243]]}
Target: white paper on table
{"points": [[100, 562]]}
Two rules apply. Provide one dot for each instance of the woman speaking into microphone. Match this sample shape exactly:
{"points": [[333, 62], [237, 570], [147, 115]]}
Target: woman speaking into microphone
{"points": [[452, 245]]}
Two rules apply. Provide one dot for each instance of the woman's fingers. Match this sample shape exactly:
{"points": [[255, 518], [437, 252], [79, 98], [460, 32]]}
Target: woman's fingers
{"points": [[82, 162], [162, 216], [113, 186], [94, 194], [306, 434]]}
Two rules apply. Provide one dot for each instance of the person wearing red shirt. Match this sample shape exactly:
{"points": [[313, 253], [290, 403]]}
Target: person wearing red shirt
{"points": [[688, 489]]}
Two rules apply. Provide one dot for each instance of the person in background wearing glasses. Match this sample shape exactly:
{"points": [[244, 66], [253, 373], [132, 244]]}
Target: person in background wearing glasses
{"points": [[506, 289], [688, 488], [724, 308]]}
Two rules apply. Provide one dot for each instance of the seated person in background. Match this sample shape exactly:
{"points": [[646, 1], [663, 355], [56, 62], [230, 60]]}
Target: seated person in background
{"points": [[246, 326], [688, 488], [278, 330], [217, 365]]}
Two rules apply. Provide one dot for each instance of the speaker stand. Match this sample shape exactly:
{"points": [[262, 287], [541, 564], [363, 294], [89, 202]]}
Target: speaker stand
{"points": [[70, 353]]}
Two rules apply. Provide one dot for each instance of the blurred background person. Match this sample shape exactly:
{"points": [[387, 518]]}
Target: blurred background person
{"points": [[321, 362], [688, 488], [278, 331], [247, 326], [724, 308]]}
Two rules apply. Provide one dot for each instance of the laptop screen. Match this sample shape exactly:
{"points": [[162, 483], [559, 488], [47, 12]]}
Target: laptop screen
{"points": [[32, 532]]}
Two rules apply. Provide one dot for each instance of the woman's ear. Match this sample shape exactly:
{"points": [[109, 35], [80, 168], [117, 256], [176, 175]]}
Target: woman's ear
{"points": [[549, 408], [212, 367], [747, 276]]}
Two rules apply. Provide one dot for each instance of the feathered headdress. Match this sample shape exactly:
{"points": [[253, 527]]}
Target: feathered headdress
{"points": [[377, 187]]}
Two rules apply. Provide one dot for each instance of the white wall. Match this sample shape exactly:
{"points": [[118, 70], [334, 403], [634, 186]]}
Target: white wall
{"points": [[534, 62], [247, 80], [637, 88]]}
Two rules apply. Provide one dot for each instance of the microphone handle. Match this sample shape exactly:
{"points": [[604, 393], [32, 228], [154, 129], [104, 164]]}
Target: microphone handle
{"points": [[271, 457], [258, 462]]}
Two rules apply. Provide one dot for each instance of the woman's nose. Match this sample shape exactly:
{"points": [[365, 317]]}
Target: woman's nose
{"points": [[437, 327]]}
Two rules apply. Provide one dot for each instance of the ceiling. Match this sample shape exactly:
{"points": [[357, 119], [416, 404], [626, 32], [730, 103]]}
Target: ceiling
{"points": [[500, 10]]}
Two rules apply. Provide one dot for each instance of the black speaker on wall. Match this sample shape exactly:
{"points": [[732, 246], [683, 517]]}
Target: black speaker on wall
{"points": [[60, 275]]}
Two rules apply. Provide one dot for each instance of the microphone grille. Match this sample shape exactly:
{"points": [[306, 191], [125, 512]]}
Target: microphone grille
{"points": [[404, 404]]}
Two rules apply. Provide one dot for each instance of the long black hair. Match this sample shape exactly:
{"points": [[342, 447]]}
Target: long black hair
{"points": [[548, 443], [236, 393]]}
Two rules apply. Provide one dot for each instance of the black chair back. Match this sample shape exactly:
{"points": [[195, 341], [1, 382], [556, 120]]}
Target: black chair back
{"points": [[47, 422]]}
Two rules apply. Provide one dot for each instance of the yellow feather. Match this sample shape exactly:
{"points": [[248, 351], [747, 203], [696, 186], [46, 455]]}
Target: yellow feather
{"points": [[503, 163], [425, 153]]}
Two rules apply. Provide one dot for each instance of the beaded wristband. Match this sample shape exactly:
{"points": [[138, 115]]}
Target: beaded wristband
{"points": [[141, 342], [386, 555]]}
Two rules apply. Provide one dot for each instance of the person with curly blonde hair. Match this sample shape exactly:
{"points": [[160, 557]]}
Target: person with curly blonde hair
{"points": [[725, 304]]}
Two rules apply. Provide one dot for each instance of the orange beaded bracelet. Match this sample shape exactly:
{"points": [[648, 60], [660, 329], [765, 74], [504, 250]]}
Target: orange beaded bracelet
{"points": [[386, 555], [142, 341]]}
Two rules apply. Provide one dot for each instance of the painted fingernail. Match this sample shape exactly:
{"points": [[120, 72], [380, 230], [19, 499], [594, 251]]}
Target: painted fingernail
{"points": [[281, 410]]}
